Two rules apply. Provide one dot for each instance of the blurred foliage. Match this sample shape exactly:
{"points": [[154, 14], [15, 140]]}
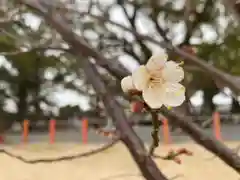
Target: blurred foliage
{"points": [[204, 25]]}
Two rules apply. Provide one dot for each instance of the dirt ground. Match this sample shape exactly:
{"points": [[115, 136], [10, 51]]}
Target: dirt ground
{"points": [[112, 164]]}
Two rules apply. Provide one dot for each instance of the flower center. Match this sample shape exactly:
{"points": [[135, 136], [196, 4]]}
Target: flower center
{"points": [[155, 78], [155, 81]]}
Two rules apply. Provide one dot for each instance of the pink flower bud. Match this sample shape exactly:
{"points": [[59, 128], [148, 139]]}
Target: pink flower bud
{"points": [[137, 106], [177, 160]]}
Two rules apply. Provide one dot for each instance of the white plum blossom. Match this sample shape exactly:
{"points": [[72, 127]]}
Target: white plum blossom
{"points": [[127, 84], [158, 81]]}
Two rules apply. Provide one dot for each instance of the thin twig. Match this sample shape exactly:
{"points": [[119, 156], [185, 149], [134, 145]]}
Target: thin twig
{"points": [[174, 155], [210, 143], [62, 158], [236, 150]]}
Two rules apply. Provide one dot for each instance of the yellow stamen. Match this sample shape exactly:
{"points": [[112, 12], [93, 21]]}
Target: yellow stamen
{"points": [[169, 107], [179, 92]]}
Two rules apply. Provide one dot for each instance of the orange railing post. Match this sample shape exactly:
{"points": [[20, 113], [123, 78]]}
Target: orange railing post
{"points": [[217, 126], [52, 130], [25, 131], [84, 130], [166, 134]]}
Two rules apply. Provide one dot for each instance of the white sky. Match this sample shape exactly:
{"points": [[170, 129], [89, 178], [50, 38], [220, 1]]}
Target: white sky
{"points": [[65, 97]]}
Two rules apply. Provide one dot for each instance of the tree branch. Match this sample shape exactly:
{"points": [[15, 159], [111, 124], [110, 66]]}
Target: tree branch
{"points": [[210, 143], [77, 43], [131, 20], [149, 169], [225, 78], [128, 136], [62, 158]]}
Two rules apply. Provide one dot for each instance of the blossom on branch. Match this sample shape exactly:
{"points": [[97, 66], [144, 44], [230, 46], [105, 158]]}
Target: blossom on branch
{"points": [[158, 81], [127, 84]]}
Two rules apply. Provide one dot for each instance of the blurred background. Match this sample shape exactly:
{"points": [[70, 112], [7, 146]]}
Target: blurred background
{"points": [[40, 80]]}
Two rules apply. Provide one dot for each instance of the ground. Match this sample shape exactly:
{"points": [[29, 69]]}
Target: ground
{"points": [[112, 164]]}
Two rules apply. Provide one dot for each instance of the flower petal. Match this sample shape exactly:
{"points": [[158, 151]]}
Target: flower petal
{"points": [[173, 94], [172, 72], [156, 62], [141, 78], [127, 84], [153, 96]]}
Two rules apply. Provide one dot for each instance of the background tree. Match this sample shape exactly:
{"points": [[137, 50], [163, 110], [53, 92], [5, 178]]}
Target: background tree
{"points": [[81, 33]]}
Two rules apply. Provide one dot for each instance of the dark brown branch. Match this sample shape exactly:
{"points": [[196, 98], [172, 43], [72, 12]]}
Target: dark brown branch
{"points": [[128, 136], [210, 143], [199, 18], [62, 158], [154, 16], [76, 43], [128, 48], [131, 20], [136, 147], [236, 150]]}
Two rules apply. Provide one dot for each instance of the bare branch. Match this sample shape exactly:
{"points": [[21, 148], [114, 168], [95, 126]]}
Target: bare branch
{"points": [[236, 150], [131, 20], [128, 136], [117, 69], [77, 43], [62, 158], [226, 79], [210, 143]]}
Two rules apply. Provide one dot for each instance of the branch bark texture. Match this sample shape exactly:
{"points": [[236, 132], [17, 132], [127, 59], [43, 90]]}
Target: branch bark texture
{"points": [[210, 143], [128, 136]]}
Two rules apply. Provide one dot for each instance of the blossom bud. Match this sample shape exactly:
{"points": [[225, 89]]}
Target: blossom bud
{"points": [[127, 84], [137, 106], [177, 160]]}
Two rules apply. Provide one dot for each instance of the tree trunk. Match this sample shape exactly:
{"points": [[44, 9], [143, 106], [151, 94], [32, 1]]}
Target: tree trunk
{"points": [[235, 106], [22, 101], [208, 105]]}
